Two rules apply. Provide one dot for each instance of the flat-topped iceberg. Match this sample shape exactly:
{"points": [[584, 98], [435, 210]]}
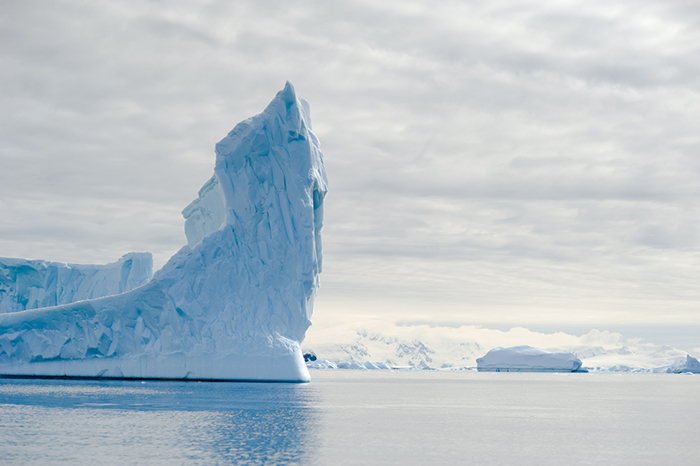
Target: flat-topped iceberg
{"points": [[32, 284], [527, 359], [235, 303]]}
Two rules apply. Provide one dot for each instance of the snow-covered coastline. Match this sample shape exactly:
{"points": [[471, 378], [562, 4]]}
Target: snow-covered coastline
{"points": [[424, 347]]}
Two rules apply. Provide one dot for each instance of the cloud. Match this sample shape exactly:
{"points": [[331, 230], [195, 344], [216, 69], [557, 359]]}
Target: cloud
{"points": [[526, 161]]}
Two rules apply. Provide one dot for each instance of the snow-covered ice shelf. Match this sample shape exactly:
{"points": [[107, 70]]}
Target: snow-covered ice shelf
{"points": [[233, 304]]}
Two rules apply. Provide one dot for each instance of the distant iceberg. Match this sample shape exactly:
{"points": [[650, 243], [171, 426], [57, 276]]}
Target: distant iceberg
{"points": [[233, 304], [321, 364], [32, 284], [527, 359], [689, 365]]}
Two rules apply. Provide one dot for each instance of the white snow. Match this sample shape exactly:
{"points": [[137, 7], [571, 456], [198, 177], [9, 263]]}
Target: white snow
{"points": [[527, 359], [235, 304], [31, 284], [321, 364]]}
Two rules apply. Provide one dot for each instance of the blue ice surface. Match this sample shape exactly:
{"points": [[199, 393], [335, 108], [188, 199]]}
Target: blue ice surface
{"points": [[31, 284]]}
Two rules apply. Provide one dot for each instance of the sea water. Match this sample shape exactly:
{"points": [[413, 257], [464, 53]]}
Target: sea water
{"points": [[357, 417]]}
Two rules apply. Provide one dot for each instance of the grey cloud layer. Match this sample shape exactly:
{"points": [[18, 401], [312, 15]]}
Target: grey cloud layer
{"points": [[538, 157]]}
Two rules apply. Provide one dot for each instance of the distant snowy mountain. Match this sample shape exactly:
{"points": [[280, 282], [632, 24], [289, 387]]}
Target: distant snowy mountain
{"points": [[400, 352], [435, 347]]}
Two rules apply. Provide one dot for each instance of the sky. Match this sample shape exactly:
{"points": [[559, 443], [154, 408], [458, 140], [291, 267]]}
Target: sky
{"points": [[490, 163]]}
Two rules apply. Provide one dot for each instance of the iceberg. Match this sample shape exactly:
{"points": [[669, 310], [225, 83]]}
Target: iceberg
{"points": [[232, 304], [32, 284], [527, 359], [687, 365], [321, 364], [351, 365]]}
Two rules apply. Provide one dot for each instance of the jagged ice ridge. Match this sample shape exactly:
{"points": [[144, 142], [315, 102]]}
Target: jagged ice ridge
{"points": [[32, 284]]}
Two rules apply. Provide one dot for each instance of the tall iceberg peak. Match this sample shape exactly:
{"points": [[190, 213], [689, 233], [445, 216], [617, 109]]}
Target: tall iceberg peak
{"points": [[235, 303]]}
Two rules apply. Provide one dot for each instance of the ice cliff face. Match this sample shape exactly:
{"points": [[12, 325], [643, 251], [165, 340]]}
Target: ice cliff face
{"points": [[32, 284], [233, 304]]}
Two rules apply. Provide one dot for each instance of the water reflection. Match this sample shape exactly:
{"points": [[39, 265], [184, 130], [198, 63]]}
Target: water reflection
{"points": [[157, 422]]}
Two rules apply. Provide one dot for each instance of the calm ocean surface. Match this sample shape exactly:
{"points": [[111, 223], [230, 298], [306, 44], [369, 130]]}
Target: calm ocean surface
{"points": [[353, 417]]}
